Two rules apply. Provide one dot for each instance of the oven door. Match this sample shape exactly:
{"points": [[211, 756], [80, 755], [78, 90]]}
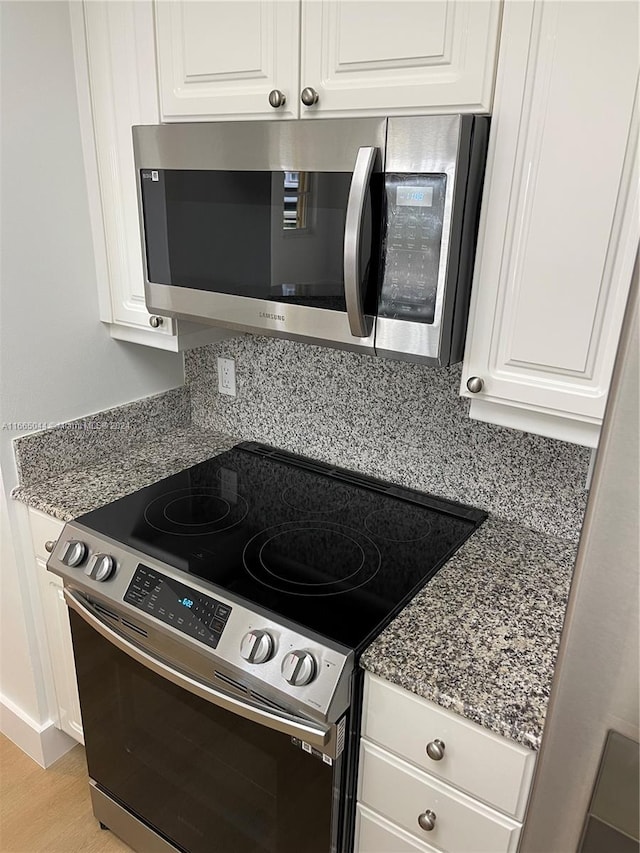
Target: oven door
{"points": [[265, 227], [174, 770]]}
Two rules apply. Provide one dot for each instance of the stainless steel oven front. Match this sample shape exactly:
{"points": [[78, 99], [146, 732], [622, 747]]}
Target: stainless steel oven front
{"points": [[183, 756], [354, 233]]}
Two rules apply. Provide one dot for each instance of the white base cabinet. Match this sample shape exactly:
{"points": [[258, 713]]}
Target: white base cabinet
{"points": [[560, 224], [375, 834], [470, 800], [57, 629]]}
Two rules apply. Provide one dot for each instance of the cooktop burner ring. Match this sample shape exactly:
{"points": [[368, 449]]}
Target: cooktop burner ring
{"points": [[396, 524], [305, 583], [166, 507], [370, 559], [233, 512]]}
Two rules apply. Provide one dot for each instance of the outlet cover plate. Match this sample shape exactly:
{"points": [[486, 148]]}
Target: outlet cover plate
{"points": [[227, 376]]}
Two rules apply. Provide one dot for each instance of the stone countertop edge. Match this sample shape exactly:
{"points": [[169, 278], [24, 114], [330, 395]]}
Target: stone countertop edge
{"points": [[82, 489], [482, 637]]}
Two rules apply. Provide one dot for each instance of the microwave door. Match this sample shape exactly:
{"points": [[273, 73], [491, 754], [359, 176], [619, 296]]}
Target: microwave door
{"points": [[286, 247]]}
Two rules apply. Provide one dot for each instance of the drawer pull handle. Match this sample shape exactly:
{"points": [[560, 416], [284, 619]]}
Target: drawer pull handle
{"points": [[427, 820], [49, 545], [435, 750]]}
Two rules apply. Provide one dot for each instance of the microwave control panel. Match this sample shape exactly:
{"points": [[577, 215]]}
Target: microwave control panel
{"points": [[415, 218]]}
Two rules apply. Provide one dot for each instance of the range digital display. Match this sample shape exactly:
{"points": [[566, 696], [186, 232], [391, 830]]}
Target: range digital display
{"points": [[178, 605]]}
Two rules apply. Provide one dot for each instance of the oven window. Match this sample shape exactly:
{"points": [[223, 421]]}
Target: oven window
{"points": [[266, 235], [205, 779]]}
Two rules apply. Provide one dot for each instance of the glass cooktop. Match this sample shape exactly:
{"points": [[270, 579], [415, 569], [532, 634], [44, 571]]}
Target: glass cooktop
{"points": [[334, 551]]}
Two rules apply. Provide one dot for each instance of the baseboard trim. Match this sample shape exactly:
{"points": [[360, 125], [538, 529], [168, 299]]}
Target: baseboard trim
{"points": [[42, 742]]}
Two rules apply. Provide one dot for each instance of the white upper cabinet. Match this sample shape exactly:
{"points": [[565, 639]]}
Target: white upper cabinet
{"points": [[223, 60], [560, 225], [368, 56], [114, 54]]}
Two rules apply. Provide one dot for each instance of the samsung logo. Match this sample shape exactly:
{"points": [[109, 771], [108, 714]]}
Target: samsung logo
{"points": [[268, 316]]}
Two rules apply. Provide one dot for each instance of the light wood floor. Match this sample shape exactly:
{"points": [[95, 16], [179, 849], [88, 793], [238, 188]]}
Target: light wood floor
{"points": [[48, 811]]}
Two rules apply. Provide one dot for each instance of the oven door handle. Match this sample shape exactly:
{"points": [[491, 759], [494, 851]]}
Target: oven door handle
{"points": [[289, 724], [358, 323]]}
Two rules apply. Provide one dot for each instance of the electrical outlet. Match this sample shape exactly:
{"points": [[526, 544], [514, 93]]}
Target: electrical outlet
{"points": [[227, 376]]}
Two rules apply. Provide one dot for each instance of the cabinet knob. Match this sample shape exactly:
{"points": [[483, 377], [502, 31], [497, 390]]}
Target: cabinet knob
{"points": [[427, 820], [309, 96], [435, 750], [475, 384], [155, 321], [49, 545], [277, 98]]}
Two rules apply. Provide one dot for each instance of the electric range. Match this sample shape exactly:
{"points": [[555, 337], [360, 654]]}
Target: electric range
{"points": [[249, 583]]}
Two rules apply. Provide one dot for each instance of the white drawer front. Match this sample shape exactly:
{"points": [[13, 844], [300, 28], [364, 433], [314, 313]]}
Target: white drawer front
{"points": [[401, 793], [43, 529], [375, 834], [492, 768]]}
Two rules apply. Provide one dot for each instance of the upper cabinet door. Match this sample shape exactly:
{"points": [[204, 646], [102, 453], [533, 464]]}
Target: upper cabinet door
{"points": [[559, 228], [221, 60], [371, 56]]}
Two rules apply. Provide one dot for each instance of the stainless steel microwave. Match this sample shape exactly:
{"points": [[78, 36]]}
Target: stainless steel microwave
{"points": [[352, 233]]}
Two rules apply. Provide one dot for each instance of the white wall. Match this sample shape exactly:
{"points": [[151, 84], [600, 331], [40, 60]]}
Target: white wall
{"points": [[57, 361], [596, 686]]}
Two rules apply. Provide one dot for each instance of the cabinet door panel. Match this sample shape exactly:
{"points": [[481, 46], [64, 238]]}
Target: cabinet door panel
{"points": [[560, 223], [469, 748], [401, 794], [371, 56], [220, 60], [374, 834], [56, 622], [123, 91], [60, 652]]}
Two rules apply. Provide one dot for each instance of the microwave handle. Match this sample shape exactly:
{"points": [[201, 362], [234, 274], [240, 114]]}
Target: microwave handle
{"points": [[352, 230]]}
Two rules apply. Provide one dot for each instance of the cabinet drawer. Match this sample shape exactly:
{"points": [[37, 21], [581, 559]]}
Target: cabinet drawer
{"points": [[375, 834], [401, 793], [485, 765], [43, 528]]}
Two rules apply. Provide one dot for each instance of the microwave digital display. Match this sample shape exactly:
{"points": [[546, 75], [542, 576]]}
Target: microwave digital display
{"points": [[414, 196]]}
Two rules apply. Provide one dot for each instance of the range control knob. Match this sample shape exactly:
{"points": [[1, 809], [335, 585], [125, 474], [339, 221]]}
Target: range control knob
{"points": [[101, 567], [74, 553], [257, 646], [298, 668]]}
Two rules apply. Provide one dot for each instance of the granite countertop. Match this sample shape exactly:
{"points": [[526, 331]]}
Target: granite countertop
{"points": [[482, 637], [81, 489]]}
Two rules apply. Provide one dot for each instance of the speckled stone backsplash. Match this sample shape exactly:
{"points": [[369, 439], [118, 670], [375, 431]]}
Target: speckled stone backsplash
{"points": [[46, 454], [398, 421]]}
